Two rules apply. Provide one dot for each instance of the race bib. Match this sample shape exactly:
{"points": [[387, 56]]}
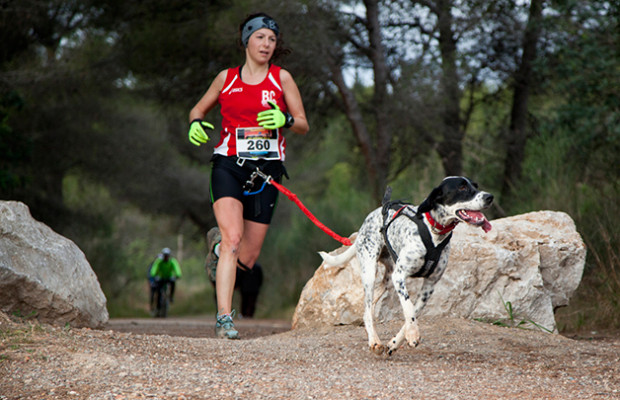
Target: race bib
{"points": [[255, 143]]}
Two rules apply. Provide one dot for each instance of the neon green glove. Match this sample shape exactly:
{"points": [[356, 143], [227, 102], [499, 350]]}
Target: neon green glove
{"points": [[197, 134], [274, 118]]}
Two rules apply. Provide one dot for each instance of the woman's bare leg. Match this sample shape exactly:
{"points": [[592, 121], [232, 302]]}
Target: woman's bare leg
{"points": [[241, 240], [229, 215]]}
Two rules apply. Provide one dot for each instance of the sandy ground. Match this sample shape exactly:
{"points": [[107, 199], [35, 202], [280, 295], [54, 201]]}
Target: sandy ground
{"points": [[196, 327], [179, 359]]}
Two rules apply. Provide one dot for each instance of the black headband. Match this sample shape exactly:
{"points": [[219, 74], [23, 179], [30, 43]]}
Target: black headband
{"points": [[255, 24]]}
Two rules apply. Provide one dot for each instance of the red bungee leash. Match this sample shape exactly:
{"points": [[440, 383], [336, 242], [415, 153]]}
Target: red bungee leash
{"points": [[293, 197]]}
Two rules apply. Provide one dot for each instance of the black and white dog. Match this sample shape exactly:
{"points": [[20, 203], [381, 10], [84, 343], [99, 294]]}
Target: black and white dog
{"points": [[417, 241]]}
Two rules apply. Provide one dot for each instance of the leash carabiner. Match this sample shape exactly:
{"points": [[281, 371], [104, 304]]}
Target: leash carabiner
{"points": [[249, 184]]}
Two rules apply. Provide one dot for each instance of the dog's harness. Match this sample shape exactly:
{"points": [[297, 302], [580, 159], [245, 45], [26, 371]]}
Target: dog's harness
{"points": [[433, 253]]}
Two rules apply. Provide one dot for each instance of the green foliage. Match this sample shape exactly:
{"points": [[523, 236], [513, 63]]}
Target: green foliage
{"points": [[120, 242], [483, 159], [14, 147], [514, 320], [571, 164], [554, 181], [93, 109]]}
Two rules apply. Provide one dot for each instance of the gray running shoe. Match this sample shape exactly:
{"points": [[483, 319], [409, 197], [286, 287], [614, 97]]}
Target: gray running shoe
{"points": [[213, 238], [224, 326]]}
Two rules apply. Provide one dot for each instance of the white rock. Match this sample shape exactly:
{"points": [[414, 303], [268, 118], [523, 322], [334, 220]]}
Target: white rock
{"points": [[534, 262], [45, 274]]}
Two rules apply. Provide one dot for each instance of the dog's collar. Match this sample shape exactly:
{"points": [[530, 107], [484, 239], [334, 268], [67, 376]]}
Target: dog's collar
{"points": [[440, 229]]}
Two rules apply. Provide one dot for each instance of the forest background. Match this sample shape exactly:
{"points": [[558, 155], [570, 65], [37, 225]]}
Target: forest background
{"points": [[521, 96]]}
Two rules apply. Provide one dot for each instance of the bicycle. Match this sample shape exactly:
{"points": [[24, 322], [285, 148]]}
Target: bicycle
{"points": [[162, 300]]}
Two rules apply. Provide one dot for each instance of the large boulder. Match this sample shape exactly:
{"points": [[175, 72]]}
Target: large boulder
{"points": [[44, 274], [519, 272]]}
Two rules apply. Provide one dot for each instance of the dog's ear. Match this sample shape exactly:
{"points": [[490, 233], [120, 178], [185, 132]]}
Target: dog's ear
{"points": [[430, 202]]}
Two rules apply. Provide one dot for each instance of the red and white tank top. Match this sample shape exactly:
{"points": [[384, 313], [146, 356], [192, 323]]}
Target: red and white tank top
{"points": [[240, 103]]}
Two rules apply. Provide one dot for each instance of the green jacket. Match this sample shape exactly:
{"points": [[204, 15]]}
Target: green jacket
{"points": [[166, 269]]}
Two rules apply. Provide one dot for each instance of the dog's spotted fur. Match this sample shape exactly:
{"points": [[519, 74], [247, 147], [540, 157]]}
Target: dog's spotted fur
{"points": [[456, 199]]}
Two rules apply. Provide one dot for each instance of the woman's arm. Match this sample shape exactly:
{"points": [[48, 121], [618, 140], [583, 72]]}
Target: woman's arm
{"points": [[209, 100]]}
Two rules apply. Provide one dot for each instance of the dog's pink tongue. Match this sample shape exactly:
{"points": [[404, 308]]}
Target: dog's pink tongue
{"points": [[486, 226], [475, 218]]}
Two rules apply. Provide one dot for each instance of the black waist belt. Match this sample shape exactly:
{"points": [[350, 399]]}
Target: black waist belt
{"points": [[275, 168], [433, 253]]}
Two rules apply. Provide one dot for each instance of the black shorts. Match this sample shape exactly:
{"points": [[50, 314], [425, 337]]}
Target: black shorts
{"points": [[228, 180]]}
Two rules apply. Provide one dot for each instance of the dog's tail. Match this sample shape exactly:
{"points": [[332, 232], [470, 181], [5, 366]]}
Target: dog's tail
{"points": [[339, 259]]}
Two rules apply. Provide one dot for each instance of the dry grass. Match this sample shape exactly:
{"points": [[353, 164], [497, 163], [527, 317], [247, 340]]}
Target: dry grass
{"points": [[596, 303]]}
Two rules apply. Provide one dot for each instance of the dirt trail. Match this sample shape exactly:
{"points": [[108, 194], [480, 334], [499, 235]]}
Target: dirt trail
{"points": [[195, 327], [177, 359]]}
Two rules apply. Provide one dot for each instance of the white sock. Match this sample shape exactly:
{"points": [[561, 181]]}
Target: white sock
{"points": [[216, 249]]}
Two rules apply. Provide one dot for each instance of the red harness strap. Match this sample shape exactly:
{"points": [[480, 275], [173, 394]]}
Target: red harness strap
{"points": [[293, 197], [399, 211]]}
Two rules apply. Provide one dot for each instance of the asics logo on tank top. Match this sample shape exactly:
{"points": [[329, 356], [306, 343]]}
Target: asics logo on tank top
{"points": [[235, 90]]}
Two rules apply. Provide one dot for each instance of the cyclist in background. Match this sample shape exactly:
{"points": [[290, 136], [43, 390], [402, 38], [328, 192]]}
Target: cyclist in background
{"points": [[166, 269], [152, 283]]}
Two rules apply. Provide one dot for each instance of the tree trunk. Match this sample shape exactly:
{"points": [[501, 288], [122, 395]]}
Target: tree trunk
{"points": [[451, 148], [377, 148], [354, 115], [382, 155], [517, 134]]}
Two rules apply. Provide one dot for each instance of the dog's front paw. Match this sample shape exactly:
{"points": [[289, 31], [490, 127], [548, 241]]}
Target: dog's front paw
{"points": [[413, 343], [413, 336], [394, 344], [377, 348]]}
